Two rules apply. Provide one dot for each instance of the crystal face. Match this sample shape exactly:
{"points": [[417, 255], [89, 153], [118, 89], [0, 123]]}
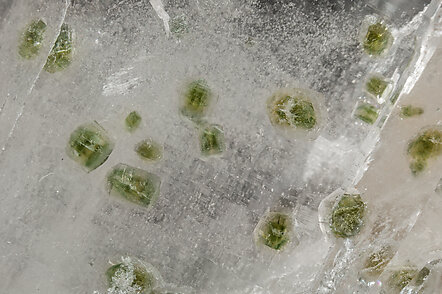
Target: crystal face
{"points": [[61, 54], [273, 231], [377, 39], [212, 140], [410, 111], [90, 146], [426, 145], [376, 86], [347, 216], [149, 150], [295, 111], [367, 113], [135, 185], [197, 98], [400, 278], [32, 39], [133, 121]]}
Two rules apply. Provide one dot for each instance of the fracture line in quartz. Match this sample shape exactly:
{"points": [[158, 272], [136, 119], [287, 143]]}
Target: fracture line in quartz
{"points": [[45, 176], [11, 132], [162, 14], [120, 82]]}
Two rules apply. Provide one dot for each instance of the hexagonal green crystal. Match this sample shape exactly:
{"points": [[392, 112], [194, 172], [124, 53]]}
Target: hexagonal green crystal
{"points": [[32, 39], [212, 140], [410, 110], [132, 121], [149, 150], [135, 185], [400, 278], [426, 145], [294, 111], [89, 145], [377, 39], [274, 231], [60, 56], [127, 276], [367, 113], [196, 99], [347, 216], [376, 86]]}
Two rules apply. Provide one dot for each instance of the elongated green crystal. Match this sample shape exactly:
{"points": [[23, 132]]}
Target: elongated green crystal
{"points": [[89, 145], [132, 121], [377, 39], [347, 216], [410, 110], [367, 113], [274, 231], [60, 56], [135, 185], [426, 145], [212, 140], [149, 150], [400, 278], [32, 39]]}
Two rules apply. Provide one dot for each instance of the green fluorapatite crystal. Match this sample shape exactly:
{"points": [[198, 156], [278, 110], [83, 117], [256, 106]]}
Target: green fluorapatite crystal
{"points": [[149, 150], [376, 86], [212, 140], [426, 145], [409, 111], [60, 56], [400, 278], [196, 99], [142, 280], [132, 121], [274, 231], [89, 145], [347, 216], [135, 185], [32, 39], [293, 111], [377, 39], [178, 26], [367, 113]]}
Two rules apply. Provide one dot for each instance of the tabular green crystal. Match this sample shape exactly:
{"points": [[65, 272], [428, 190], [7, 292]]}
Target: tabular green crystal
{"points": [[400, 278], [212, 140], [274, 231], [196, 99], [89, 145], [377, 39], [135, 185], [367, 113], [60, 56], [127, 276], [32, 39], [132, 121], [149, 150], [376, 86], [426, 145], [409, 111], [347, 216], [293, 111]]}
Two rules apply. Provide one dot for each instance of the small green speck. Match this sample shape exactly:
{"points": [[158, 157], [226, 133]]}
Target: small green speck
{"points": [[142, 280], [212, 140], [196, 99], [367, 113], [60, 56], [178, 26], [347, 216], [149, 150], [376, 86], [274, 231], [426, 145], [32, 39], [409, 111], [133, 184], [400, 278], [89, 145], [293, 111], [377, 39], [132, 121]]}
